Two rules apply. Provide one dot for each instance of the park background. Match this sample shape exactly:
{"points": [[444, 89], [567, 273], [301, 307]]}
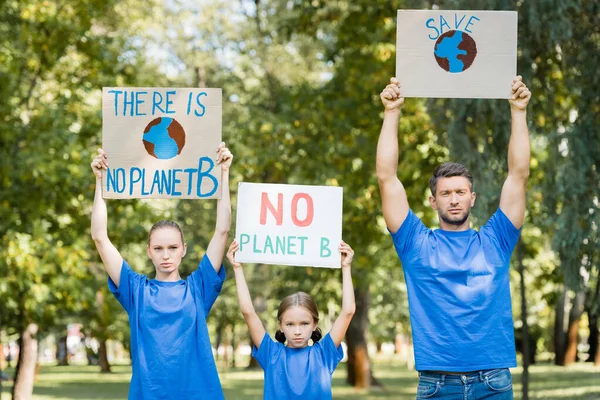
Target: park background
{"points": [[301, 82]]}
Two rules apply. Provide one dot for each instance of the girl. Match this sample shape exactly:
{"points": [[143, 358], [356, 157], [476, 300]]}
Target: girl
{"points": [[170, 349], [297, 370]]}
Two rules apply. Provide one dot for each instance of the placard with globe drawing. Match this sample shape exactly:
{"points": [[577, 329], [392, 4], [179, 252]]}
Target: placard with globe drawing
{"points": [[161, 142], [456, 54]]}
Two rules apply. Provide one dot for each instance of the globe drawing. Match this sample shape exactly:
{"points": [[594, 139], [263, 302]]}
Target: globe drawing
{"points": [[164, 138], [455, 51]]}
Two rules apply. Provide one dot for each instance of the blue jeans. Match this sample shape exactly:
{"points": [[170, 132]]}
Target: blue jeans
{"points": [[493, 384]]}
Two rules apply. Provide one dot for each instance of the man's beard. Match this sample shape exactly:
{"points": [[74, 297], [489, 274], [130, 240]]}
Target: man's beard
{"points": [[459, 222]]}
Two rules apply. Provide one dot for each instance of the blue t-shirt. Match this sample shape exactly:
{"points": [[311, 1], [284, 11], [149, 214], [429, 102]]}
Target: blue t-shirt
{"points": [[170, 349], [302, 374], [459, 294]]}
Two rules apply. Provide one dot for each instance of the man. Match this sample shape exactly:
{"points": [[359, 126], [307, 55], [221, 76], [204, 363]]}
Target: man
{"points": [[458, 278]]}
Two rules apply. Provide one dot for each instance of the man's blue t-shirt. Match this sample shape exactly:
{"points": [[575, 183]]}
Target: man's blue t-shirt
{"points": [[170, 349], [459, 294], [298, 374]]}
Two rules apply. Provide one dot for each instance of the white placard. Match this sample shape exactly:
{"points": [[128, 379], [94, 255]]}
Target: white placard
{"points": [[456, 54], [289, 224], [161, 142]]}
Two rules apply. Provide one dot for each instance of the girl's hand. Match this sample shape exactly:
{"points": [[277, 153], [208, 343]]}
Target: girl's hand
{"points": [[347, 254], [235, 246], [224, 157], [99, 163]]}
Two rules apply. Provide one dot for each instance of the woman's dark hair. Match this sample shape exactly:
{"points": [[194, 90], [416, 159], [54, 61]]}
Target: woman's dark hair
{"points": [[447, 170], [305, 301], [165, 223]]}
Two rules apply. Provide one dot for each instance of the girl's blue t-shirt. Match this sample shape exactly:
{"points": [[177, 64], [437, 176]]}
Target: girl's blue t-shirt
{"points": [[171, 353], [458, 287], [302, 374]]}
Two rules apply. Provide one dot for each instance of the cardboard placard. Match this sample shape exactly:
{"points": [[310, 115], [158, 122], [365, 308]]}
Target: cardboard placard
{"points": [[456, 54], [161, 142], [297, 225]]}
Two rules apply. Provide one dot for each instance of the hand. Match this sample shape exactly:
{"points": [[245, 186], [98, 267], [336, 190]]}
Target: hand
{"points": [[390, 96], [224, 157], [520, 95], [233, 248], [99, 163], [347, 254]]}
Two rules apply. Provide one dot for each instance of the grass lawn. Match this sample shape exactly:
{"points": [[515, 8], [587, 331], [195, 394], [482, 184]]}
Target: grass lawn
{"points": [[578, 382]]}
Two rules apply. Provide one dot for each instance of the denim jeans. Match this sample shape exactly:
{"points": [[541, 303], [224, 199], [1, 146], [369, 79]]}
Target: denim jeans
{"points": [[494, 384]]}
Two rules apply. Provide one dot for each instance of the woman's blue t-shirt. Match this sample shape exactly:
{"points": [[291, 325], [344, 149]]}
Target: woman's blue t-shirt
{"points": [[302, 374], [170, 349]]}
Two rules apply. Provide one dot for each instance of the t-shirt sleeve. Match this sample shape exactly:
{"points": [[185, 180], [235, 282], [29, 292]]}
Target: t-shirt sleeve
{"points": [[129, 283], [207, 282], [331, 355], [408, 234], [263, 353], [502, 232]]}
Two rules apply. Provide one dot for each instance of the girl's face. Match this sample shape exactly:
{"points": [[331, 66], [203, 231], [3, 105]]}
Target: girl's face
{"points": [[297, 324], [166, 250]]}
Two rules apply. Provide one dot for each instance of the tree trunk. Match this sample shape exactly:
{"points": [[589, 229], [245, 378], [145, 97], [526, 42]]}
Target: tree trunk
{"points": [[593, 314], [573, 329], [103, 356], [253, 364], [25, 371], [62, 352], [359, 365], [560, 330], [593, 339], [525, 326]]}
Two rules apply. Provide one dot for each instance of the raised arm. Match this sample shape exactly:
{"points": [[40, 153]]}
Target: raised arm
{"points": [[255, 326], [340, 326], [111, 258], [217, 244], [393, 195], [512, 199]]}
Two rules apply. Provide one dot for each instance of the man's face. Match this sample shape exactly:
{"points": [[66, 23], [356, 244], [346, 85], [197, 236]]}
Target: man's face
{"points": [[453, 200]]}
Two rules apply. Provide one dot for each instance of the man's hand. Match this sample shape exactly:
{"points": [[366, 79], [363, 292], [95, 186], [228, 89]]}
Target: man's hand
{"points": [[390, 96], [520, 95]]}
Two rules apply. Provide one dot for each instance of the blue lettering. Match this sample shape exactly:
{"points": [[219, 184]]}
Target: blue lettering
{"points": [[470, 23], [139, 101], [280, 244], [302, 239], [325, 251], [200, 104], [190, 172], [117, 93], [126, 103], [156, 183], [175, 182], [166, 181], [189, 107], [427, 24], [269, 243], [291, 245], [255, 249], [144, 193], [244, 239], [202, 174], [457, 24], [442, 23], [156, 104], [133, 180], [169, 102]]}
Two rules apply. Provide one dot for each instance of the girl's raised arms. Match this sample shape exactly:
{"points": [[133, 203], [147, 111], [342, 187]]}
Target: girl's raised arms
{"points": [[255, 326]]}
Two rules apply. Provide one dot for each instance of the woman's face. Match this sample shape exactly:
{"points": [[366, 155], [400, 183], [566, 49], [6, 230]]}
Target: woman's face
{"points": [[166, 250]]}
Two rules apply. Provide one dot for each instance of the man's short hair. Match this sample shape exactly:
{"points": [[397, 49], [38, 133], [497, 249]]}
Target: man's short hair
{"points": [[447, 170]]}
